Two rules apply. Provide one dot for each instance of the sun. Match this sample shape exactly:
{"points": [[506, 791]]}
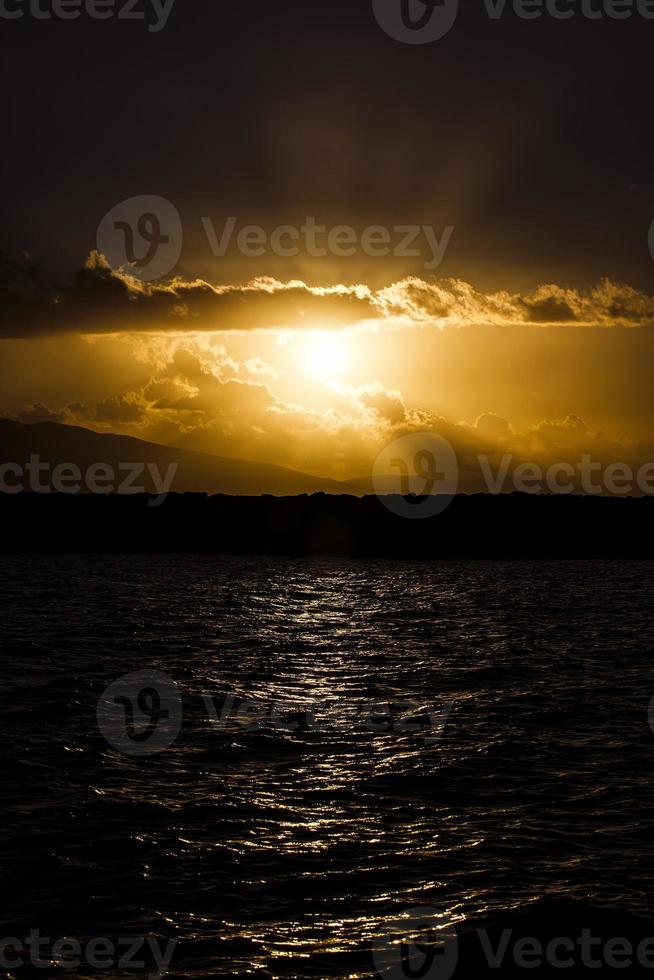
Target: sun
{"points": [[324, 355]]}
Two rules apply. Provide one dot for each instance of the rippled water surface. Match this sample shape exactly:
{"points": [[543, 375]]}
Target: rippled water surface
{"points": [[281, 848]]}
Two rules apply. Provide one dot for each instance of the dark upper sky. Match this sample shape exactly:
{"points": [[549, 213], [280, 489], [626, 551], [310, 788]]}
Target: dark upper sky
{"points": [[532, 137]]}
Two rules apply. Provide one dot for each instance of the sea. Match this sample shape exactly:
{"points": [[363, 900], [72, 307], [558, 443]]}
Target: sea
{"points": [[269, 763]]}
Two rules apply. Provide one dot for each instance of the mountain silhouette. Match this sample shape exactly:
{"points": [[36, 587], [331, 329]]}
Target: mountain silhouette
{"points": [[57, 444]]}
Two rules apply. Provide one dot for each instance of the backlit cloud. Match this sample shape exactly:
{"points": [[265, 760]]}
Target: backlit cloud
{"points": [[100, 300]]}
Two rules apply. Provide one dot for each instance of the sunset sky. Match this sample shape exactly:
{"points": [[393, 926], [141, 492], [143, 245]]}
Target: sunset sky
{"points": [[534, 333]]}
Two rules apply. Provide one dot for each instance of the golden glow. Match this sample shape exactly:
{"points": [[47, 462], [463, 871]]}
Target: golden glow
{"points": [[324, 355]]}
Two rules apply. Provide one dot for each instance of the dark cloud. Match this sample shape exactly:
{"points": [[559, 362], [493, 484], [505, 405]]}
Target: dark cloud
{"points": [[40, 413], [100, 300], [491, 426], [548, 310], [388, 405], [120, 409]]}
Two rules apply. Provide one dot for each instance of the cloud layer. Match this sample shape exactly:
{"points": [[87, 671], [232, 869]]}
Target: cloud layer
{"points": [[195, 402], [100, 300], [546, 376]]}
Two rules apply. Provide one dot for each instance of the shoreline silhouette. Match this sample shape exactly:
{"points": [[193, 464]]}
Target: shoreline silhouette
{"points": [[514, 525]]}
